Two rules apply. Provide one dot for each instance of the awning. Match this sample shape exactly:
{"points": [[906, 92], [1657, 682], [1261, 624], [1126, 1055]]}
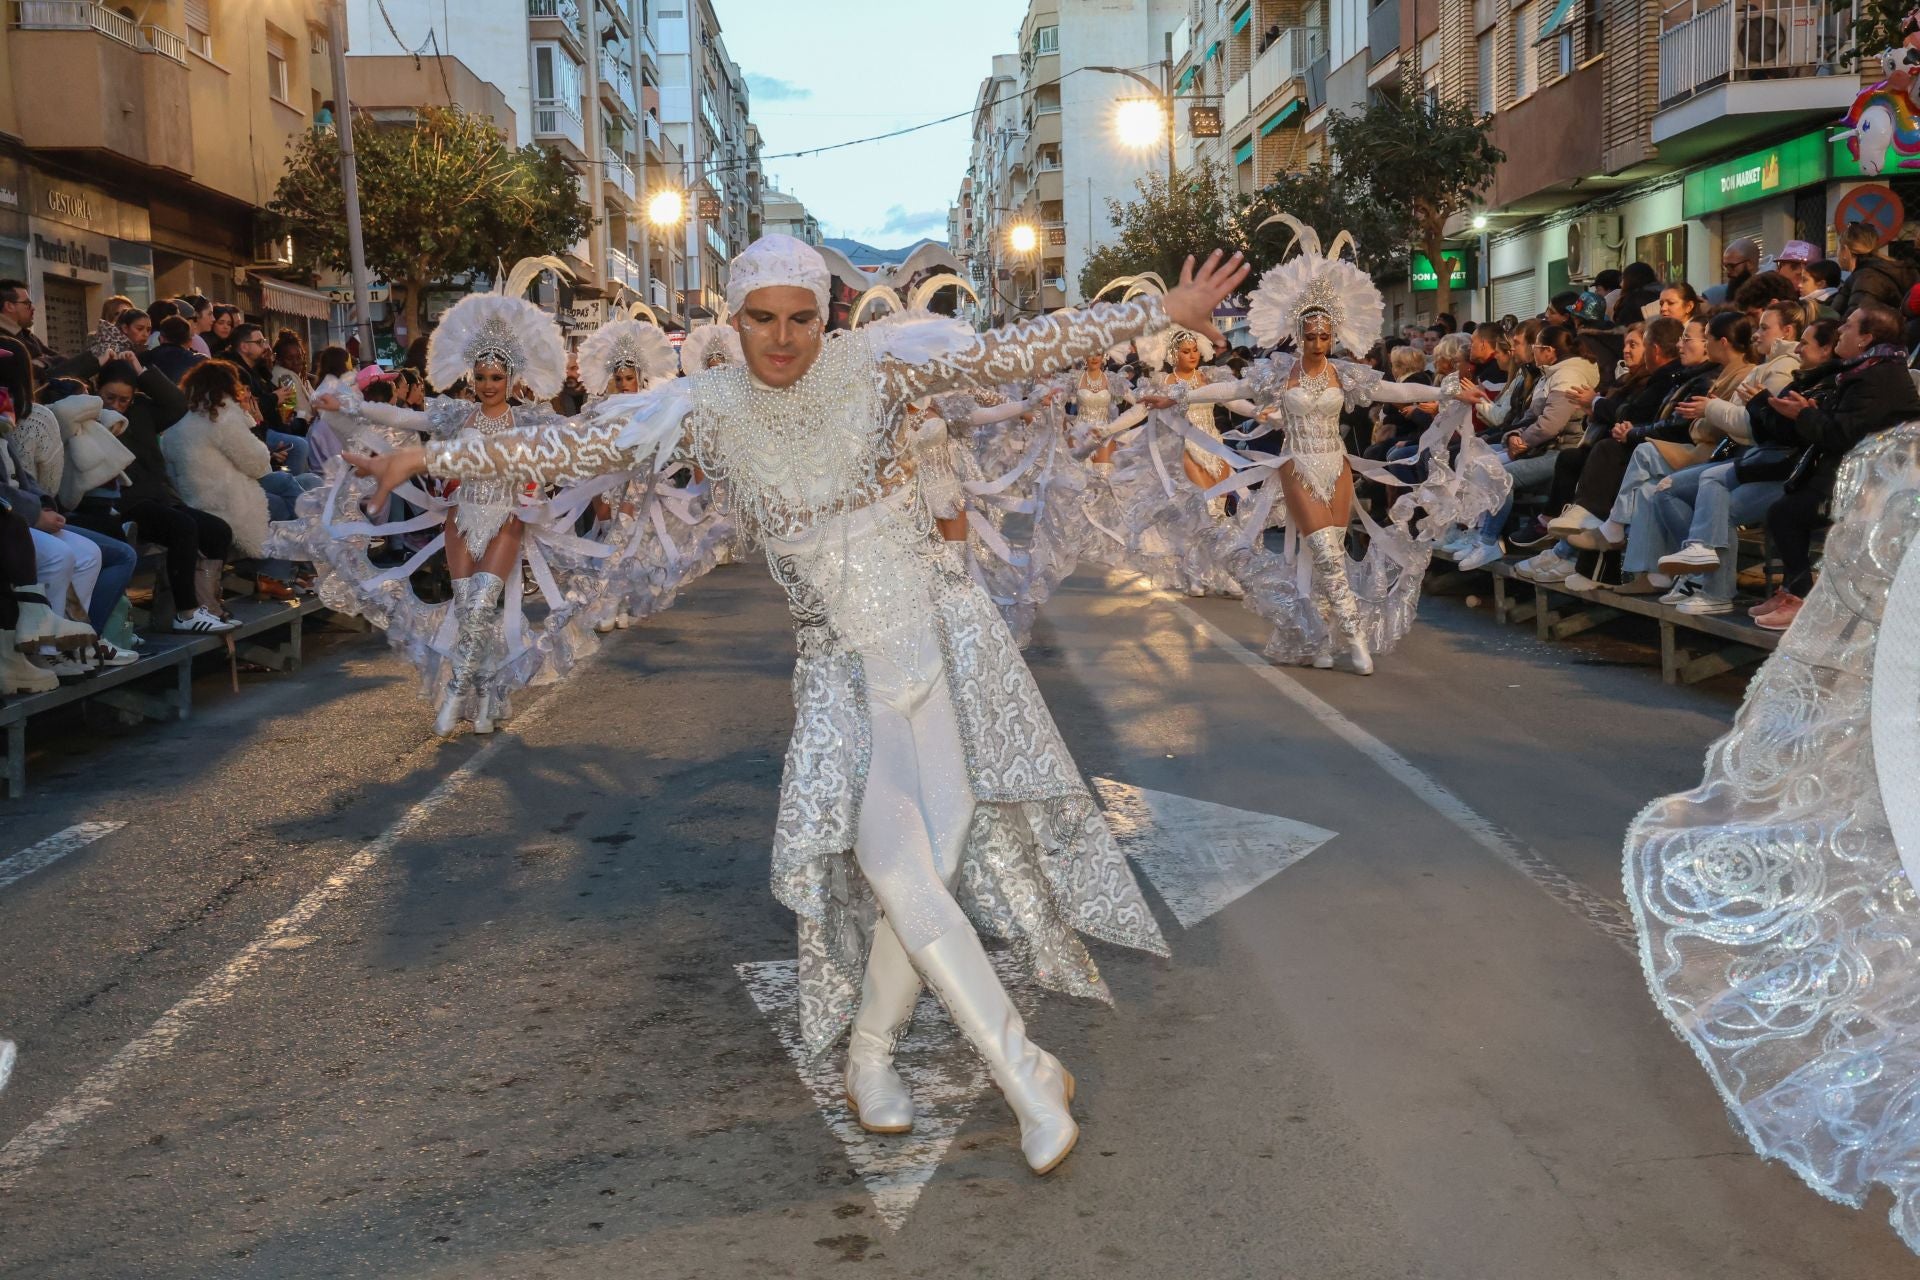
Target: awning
{"points": [[1213, 51], [1280, 117], [1242, 18], [1186, 78], [1561, 10], [1243, 152], [293, 299]]}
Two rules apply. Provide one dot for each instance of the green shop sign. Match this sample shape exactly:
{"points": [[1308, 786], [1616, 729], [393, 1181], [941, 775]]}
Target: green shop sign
{"points": [[1779, 169], [1421, 275]]}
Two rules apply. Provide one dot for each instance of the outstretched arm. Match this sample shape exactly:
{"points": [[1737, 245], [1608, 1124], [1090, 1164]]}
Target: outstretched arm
{"points": [[1032, 348]]}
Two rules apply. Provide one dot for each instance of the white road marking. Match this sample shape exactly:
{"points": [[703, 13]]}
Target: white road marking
{"points": [[946, 1077], [1202, 856], [96, 1093], [55, 847], [1604, 914]]}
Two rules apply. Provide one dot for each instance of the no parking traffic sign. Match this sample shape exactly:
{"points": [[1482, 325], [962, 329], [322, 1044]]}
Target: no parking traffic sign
{"points": [[1874, 205]]}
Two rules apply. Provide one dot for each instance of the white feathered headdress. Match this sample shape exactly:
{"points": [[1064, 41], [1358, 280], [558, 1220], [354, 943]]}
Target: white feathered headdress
{"points": [[502, 328], [631, 344], [706, 341], [1155, 349], [1316, 283], [911, 332]]}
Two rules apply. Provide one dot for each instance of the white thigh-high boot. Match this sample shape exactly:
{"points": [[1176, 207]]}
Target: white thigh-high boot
{"points": [[880, 1099], [913, 820], [477, 619], [1329, 550]]}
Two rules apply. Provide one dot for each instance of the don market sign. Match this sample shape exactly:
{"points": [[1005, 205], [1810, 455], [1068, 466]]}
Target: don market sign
{"points": [[1422, 276], [1788, 166]]}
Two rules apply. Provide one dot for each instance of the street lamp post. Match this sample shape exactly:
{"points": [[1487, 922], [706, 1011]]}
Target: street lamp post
{"points": [[1162, 97]]}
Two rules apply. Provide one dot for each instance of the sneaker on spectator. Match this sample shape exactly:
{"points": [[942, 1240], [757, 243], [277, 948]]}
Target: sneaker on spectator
{"points": [[1548, 566], [1782, 615], [1482, 553], [1579, 582], [112, 655], [1606, 536], [200, 622], [1534, 533], [1772, 602], [64, 666], [1701, 603], [1691, 558], [1573, 518], [1456, 543], [1680, 593]]}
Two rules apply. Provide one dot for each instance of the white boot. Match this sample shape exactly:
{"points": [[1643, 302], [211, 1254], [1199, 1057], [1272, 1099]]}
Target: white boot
{"points": [[1329, 550], [474, 600], [17, 675], [1036, 1086], [880, 1099], [41, 623]]}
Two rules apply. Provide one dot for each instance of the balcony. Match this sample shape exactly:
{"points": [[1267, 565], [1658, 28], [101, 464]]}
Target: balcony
{"points": [[559, 19], [619, 177], [1317, 72], [1237, 105], [622, 270], [142, 116], [1383, 31], [1283, 66], [558, 121], [616, 82], [1736, 69]]}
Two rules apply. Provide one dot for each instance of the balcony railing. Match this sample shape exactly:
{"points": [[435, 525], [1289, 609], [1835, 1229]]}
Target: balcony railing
{"points": [[1704, 45], [1284, 61], [617, 75], [1317, 72], [620, 174], [650, 125], [1237, 105], [557, 118], [163, 42], [89, 15], [622, 269], [567, 11], [1383, 30]]}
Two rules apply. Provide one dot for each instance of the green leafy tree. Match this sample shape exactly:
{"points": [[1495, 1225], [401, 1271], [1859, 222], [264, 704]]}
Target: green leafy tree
{"points": [[1425, 163], [1330, 203], [1877, 26], [446, 199], [1195, 213]]}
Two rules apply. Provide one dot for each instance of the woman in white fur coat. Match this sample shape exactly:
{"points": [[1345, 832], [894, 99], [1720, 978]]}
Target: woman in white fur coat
{"points": [[215, 460]]}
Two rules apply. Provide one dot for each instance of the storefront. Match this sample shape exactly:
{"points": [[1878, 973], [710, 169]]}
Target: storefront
{"points": [[283, 306], [1769, 196], [81, 245]]}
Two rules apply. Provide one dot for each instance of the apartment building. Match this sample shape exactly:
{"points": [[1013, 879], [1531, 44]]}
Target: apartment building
{"points": [[787, 215], [137, 154], [580, 76], [985, 209], [704, 113], [1251, 59], [1057, 156]]}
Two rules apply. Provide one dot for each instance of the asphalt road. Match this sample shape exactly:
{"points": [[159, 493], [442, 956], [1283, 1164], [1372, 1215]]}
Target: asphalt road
{"points": [[339, 999]]}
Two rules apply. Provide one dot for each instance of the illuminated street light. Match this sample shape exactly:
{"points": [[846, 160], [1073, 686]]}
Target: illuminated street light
{"points": [[1023, 238], [1139, 122], [1479, 222], [666, 209]]}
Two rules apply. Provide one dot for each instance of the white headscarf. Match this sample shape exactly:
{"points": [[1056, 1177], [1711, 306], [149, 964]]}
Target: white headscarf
{"points": [[776, 260]]}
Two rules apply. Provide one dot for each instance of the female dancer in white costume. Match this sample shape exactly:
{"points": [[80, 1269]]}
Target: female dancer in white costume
{"points": [[925, 779], [474, 652], [1776, 905], [663, 536]]}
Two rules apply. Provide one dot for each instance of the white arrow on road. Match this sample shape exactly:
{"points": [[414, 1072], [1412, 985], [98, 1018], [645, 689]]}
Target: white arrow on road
{"points": [[1200, 856]]}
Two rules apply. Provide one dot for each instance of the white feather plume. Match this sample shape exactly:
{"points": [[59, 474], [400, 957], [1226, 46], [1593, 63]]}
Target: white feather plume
{"points": [[705, 340], [918, 338], [527, 270], [650, 421], [624, 341], [538, 354]]}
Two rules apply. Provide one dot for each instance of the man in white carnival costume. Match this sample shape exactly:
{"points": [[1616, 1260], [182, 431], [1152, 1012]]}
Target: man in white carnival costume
{"points": [[926, 789]]}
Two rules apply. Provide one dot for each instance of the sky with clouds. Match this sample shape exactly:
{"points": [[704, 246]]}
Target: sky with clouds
{"points": [[827, 71]]}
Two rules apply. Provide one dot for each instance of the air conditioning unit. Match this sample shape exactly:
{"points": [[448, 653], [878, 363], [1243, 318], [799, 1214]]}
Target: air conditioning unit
{"points": [[272, 250], [1595, 243]]}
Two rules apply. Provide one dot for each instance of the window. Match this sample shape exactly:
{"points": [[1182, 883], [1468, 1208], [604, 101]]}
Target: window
{"points": [[1566, 51], [556, 77], [1046, 40], [1487, 73], [1596, 36], [279, 54], [200, 27], [1525, 51]]}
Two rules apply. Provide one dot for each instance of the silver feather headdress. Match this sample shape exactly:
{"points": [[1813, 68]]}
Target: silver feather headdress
{"points": [[625, 344], [1316, 283], [705, 342], [502, 328]]}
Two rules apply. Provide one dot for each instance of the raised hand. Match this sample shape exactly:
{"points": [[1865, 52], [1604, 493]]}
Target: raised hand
{"points": [[1190, 304], [388, 470]]}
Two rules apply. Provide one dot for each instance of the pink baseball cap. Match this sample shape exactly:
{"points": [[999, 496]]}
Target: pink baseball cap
{"points": [[368, 374], [1798, 251]]}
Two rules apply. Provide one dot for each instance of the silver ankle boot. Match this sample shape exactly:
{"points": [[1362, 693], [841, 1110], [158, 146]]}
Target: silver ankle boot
{"points": [[1329, 550], [475, 602]]}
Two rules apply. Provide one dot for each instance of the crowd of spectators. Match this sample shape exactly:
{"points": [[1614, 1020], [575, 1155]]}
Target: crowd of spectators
{"points": [[180, 431]]}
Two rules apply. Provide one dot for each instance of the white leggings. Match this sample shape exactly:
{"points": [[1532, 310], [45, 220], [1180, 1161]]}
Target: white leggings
{"points": [[919, 802], [64, 560]]}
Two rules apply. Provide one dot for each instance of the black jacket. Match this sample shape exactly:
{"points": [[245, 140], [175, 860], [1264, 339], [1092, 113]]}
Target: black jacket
{"points": [[1877, 281], [1636, 402], [1869, 395], [157, 405], [1694, 380], [173, 361]]}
